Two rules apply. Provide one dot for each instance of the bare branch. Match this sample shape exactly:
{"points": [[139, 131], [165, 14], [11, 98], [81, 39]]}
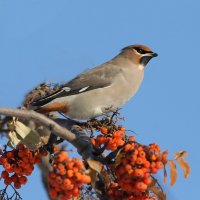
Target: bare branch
{"points": [[63, 128], [43, 120]]}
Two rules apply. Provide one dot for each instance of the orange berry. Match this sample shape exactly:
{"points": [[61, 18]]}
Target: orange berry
{"points": [[142, 154], [131, 138], [55, 149], [136, 152], [61, 156], [154, 170], [78, 176], [128, 167], [14, 178], [9, 154], [20, 146], [127, 147], [21, 154], [7, 181], [43, 152], [62, 172], [141, 186], [139, 161], [3, 160], [70, 165], [138, 173], [104, 130], [4, 174], [67, 181], [75, 191], [52, 175], [92, 141], [69, 173], [124, 161], [146, 164], [26, 150], [118, 134], [147, 180], [37, 160], [23, 180], [53, 194], [130, 171], [159, 165], [59, 180], [121, 128], [86, 179], [146, 175], [79, 164], [17, 185], [20, 163], [140, 148], [121, 170], [75, 169], [7, 166], [133, 158], [113, 185], [153, 157]]}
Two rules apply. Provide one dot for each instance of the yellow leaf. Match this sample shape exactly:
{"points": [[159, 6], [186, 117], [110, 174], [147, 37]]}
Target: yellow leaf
{"points": [[184, 166], [173, 172]]}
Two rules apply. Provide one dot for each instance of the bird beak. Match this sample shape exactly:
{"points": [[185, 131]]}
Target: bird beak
{"points": [[153, 55], [147, 57]]}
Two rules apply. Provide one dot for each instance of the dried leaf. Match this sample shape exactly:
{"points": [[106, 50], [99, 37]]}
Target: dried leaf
{"points": [[14, 139], [106, 177], [22, 129], [173, 172], [23, 134], [96, 168], [158, 192], [93, 175], [180, 154], [119, 157], [95, 165], [165, 174], [184, 166]]}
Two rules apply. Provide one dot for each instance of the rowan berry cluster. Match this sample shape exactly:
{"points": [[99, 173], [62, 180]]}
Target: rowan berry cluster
{"points": [[116, 193], [18, 163], [110, 138], [133, 168], [67, 177]]}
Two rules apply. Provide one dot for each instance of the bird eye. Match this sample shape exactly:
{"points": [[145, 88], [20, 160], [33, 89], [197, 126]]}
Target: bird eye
{"points": [[141, 51]]}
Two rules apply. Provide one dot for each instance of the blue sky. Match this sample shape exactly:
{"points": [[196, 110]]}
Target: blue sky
{"points": [[48, 40]]}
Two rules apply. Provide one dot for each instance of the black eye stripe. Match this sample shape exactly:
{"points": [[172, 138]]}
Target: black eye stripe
{"points": [[142, 51]]}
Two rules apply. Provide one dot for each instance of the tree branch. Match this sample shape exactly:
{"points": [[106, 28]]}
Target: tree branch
{"points": [[72, 132]]}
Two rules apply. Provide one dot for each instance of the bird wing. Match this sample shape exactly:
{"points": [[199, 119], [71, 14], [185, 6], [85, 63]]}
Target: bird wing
{"points": [[92, 79]]}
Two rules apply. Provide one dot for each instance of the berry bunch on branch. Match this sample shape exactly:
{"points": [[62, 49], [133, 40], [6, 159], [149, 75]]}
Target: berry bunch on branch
{"points": [[112, 164]]}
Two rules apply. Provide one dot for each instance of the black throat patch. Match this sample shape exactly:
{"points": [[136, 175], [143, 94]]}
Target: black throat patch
{"points": [[145, 59]]}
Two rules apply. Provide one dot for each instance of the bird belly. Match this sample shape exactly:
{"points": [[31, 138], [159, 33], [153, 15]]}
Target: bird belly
{"points": [[98, 102]]}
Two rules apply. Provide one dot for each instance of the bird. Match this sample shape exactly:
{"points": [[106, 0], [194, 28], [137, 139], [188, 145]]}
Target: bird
{"points": [[102, 89]]}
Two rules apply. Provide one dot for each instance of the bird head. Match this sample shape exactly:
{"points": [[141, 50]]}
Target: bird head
{"points": [[139, 54]]}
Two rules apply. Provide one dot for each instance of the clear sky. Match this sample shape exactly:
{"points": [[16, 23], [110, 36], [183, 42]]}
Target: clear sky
{"points": [[48, 40]]}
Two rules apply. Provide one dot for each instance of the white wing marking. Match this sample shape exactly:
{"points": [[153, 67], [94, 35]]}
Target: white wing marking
{"points": [[83, 89], [67, 89]]}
